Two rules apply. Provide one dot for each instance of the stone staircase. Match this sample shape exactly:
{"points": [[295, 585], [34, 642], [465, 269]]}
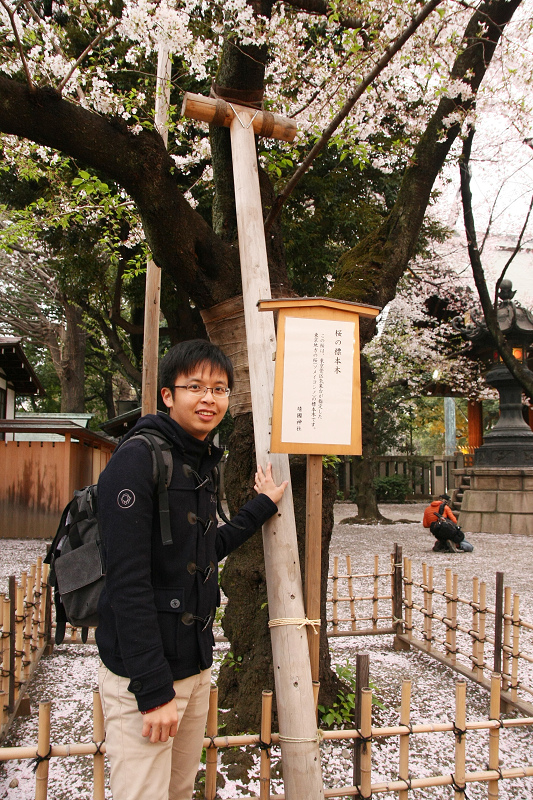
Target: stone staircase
{"points": [[458, 492]]}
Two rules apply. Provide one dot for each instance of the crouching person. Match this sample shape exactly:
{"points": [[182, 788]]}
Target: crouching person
{"points": [[156, 612], [442, 523]]}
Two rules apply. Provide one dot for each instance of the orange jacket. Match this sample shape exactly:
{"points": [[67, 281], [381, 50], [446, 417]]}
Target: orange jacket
{"points": [[430, 513]]}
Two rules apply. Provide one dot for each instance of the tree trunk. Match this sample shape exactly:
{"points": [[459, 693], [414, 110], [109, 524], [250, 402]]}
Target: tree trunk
{"points": [[72, 370], [249, 668]]}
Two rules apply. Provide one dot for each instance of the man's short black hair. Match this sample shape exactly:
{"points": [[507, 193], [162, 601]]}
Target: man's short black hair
{"points": [[183, 358]]}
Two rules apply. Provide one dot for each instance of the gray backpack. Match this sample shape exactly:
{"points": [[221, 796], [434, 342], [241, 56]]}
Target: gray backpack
{"points": [[77, 557]]}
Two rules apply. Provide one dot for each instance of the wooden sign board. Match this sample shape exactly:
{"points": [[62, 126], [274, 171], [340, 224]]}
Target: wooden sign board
{"points": [[317, 387]]}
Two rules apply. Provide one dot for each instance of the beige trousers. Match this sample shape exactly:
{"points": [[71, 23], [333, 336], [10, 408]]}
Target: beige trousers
{"points": [[139, 769]]}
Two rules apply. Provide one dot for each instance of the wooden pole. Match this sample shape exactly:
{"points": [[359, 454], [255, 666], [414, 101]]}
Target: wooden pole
{"points": [[11, 639], [292, 670], [366, 731], [297, 721], [313, 556], [152, 300]]}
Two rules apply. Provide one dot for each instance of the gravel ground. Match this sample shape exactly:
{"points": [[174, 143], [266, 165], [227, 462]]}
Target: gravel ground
{"points": [[68, 676]]}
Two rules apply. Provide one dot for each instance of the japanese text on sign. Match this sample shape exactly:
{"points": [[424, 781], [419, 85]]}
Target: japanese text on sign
{"points": [[317, 381]]}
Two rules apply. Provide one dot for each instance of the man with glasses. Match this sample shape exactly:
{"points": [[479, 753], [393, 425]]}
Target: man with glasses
{"points": [[156, 612]]}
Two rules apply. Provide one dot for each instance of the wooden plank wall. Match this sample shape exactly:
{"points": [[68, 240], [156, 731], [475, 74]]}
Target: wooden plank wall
{"points": [[37, 480]]}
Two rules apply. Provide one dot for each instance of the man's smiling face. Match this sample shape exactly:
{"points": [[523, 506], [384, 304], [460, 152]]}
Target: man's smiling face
{"points": [[197, 414]]}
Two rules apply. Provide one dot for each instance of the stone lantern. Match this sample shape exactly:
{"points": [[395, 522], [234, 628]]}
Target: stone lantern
{"points": [[498, 489]]}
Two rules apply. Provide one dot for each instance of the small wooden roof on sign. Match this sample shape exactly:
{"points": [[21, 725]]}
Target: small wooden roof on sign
{"points": [[316, 302]]}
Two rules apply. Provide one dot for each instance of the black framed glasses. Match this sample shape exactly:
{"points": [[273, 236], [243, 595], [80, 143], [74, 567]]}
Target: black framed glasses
{"points": [[198, 389]]}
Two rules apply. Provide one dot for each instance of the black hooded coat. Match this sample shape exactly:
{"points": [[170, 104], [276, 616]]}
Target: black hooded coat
{"points": [[156, 611]]}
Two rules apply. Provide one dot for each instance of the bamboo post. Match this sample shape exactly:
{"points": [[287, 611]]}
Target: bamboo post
{"points": [[45, 607], [460, 739], [4, 642], [335, 594], [405, 719], [375, 609], [98, 739], [350, 593], [516, 647], [38, 596], [494, 734], [152, 297], [425, 596], [498, 619], [43, 751], [429, 630], [313, 556], [408, 597], [28, 622], [448, 596], [211, 753], [453, 629], [475, 621], [362, 678], [316, 692], [366, 732], [292, 670], [507, 625], [482, 629], [266, 741], [12, 633]]}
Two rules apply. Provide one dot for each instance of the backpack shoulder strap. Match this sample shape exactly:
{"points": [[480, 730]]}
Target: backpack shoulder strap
{"points": [[442, 507], [160, 449]]}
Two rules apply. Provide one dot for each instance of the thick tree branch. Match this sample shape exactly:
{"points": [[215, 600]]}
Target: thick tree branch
{"points": [[180, 240], [385, 59], [523, 376]]}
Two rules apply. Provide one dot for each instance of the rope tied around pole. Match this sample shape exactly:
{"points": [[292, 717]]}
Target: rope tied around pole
{"points": [[458, 732], [364, 740], [407, 782], [211, 743], [300, 622], [460, 789], [499, 721], [264, 746], [98, 745], [302, 740], [34, 763]]}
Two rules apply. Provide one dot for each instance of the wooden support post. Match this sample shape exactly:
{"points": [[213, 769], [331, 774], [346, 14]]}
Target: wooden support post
{"points": [[98, 739], [405, 719], [453, 628], [494, 734], [516, 646], [375, 600], [266, 739], [152, 299], [294, 690], [362, 678], [43, 751], [313, 556], [475, 622], [397, 598], [498, 623]]}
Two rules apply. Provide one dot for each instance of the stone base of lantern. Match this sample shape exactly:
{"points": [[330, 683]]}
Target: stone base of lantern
{"points": [[495, 499]]}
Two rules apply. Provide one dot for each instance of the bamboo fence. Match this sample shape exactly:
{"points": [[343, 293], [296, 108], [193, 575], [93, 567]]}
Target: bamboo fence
{"points": [[466, 634], [24, 631], [365, 735]]}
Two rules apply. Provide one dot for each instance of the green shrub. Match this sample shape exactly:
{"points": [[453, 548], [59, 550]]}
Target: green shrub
{"points": [[391, 489]]}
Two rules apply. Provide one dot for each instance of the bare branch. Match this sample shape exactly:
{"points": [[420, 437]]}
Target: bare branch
{"points": [[515, 251], [387, 56], [523, 376], [11, 15], [87, 50]]}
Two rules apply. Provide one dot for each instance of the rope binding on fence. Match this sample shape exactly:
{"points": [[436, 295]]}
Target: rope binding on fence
{"points": [[460, 789], [39, 759]]}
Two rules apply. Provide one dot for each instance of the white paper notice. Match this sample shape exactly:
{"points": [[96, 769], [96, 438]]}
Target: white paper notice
{"points": [[317, 381]]}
